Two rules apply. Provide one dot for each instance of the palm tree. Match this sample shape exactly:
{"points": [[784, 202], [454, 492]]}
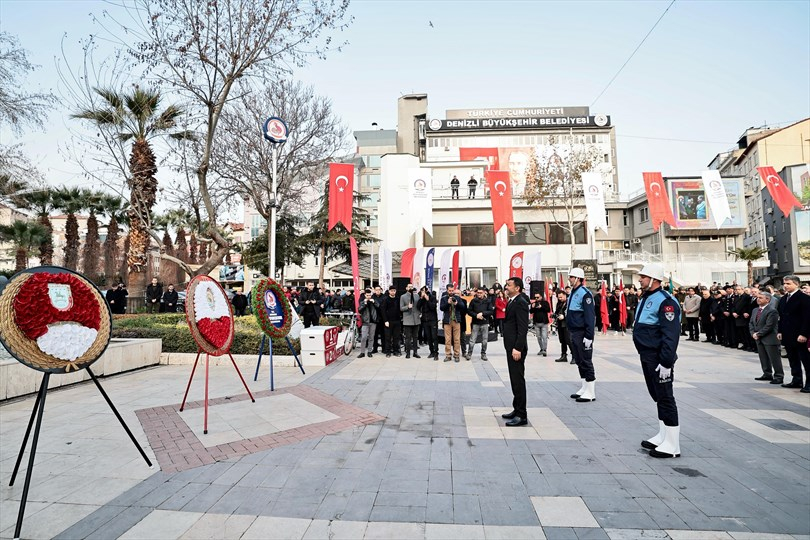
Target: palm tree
{"points": [[115, 208], [71, 201], [26, 237], [41, 202], [92, 246], [135, 115], [750, 255]]}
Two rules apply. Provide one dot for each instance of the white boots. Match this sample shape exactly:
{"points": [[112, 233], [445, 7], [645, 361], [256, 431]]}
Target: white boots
{"points": [[580, 391], [588, 393], [652, 442], [671, 446]]}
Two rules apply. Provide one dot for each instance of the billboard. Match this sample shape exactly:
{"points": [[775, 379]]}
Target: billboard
{"points": [[519, 123], [232, 272], [692, 211], [801, 188]]}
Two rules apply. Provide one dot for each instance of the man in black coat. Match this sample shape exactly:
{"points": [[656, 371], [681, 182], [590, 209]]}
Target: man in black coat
{"points": [[117, 298], [705, 315], [154, 292], [312, 303], [170, 299], [794, 330], [392, 321], [515, 332], [427, 306], [741, 313], [240, 303]]}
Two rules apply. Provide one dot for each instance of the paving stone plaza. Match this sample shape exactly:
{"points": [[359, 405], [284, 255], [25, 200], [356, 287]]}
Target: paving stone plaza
{"points": [[412, 448]]}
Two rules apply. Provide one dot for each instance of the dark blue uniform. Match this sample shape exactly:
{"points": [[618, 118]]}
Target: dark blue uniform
{"points": [[656, 332], [580, 320]]}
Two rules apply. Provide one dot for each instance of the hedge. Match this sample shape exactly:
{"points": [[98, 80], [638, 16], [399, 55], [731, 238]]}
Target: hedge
{"points": [[173, 330]]}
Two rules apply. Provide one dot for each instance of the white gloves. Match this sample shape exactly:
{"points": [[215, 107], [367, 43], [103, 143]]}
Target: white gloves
{"points": [[664, 373], [587, 342]]}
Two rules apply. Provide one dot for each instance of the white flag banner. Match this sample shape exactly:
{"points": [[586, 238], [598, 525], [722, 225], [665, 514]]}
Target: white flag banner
{"points": [[462, 271], [594, 201], [529, 269], [716, 197], [444, 270], [418, 276], [384, 266], [420, 201]]}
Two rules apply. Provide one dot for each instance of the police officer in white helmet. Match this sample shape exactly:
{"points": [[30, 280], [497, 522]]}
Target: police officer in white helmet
{"points": [[656, 331], [580, 319]]}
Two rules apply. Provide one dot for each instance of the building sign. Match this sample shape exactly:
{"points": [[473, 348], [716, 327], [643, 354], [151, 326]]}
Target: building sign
{"points": [[589, 268], [692, 211], [518, 123], [516, 112]]}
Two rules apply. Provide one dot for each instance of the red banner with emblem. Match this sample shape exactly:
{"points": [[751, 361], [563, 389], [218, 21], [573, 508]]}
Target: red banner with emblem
{"points": [[550, 298], [622, 306], [658, 200], [516, 265], [456, 281], [500, 193], [781, 193], [341, 195]]}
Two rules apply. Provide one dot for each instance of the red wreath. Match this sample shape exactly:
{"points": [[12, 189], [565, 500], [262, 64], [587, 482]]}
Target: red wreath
{"points": [[33, 310], [215, 331]]}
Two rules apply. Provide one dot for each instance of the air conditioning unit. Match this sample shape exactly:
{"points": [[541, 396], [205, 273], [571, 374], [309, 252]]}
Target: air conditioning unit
{"points": [[636, 240], [770, 210], [771, 239], [775, 266]]}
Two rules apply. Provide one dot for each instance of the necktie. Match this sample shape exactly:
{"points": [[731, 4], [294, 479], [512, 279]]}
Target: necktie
{"points": [[759, 313]]}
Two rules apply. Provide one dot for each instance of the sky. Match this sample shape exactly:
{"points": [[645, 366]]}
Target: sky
{"points": [[706, 73]]}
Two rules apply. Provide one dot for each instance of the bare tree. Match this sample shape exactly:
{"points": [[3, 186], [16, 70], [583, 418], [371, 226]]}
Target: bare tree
{"points": [[554, 182], [202, 49], [244, 159], [18, 109]]}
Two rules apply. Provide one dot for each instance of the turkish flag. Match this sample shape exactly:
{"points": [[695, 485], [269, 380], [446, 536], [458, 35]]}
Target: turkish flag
{"points": [[500, 193], [603, 308], [456, 281], [622, 306], [341, 195], [516, 265], [406, 266], [355, 276], [781, 193], [658, 200]]}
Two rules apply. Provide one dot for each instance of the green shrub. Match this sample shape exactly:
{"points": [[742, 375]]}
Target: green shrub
{"points": [[176, 336]]}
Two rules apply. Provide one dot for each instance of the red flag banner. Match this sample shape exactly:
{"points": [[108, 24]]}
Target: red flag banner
{"points": [[490, 154], [355, 276], [500, 193], [516, 265], [406, 266], [550, 298], [781, 193], [658, 200], [341, 195], [603, 310], [456, 281], [622, 306]]}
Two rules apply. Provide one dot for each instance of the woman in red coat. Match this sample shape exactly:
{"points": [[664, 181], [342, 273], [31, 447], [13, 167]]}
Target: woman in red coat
{"points": [[500, 311]]}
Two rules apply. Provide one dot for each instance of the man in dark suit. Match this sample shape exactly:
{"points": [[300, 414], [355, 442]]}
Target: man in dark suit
{"points": [[763, 330], [741, 313], [515, 330], [794, 329]]}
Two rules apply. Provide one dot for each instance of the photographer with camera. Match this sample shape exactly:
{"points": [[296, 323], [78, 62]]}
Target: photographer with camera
{"points": [[427, 306]]}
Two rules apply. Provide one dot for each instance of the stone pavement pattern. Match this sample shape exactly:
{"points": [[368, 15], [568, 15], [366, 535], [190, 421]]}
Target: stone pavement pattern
{"points": [[396, 448]]}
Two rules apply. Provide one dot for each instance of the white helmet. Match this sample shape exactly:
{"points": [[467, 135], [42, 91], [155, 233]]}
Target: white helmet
{"points": [[577, 272], [653, 270]]}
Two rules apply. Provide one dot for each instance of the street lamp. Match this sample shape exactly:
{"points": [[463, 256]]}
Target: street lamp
{"points": [[274, 130]]}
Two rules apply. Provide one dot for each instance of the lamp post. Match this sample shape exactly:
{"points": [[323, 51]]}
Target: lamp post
{"points": [[275, 130]]}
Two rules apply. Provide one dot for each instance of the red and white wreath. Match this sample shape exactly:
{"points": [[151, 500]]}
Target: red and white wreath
{"points": [[59, 312], [212, 313]]}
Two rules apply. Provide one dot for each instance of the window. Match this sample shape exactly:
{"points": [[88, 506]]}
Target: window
{"points": [[529, 233], [607, 218], [372, 161], [443, 235], [560, 235], [624, 218], [257, 226], [370, 180], [477, 235], [372, 200], [643, 214]]}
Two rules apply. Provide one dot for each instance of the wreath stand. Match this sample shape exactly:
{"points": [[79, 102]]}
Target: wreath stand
{"points": [[36, 413], [193, 369], [32, 357], [270, 358]]}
